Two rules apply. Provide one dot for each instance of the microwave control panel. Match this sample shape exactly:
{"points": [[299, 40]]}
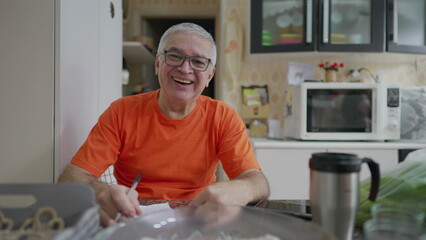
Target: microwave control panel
{"points": [[393, 111], [393, 97]]}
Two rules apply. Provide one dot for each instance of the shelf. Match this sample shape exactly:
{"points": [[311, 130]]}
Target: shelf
{"points": [[136, 54]]}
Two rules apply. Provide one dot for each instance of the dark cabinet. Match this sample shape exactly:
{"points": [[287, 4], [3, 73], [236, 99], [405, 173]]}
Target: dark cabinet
{"points": [[406, 26], [317, 25], [283, 26], [352, 25]]}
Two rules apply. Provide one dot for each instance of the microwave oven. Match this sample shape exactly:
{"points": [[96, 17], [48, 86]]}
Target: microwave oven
{"points": [[343, 111]]}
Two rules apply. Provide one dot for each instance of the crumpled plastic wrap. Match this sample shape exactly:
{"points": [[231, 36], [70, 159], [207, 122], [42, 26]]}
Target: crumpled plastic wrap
{"points": [[413, 113], [404, 183]]}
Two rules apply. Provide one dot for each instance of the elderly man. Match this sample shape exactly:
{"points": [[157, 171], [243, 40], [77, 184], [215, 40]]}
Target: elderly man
{"points": [[174, 136]]}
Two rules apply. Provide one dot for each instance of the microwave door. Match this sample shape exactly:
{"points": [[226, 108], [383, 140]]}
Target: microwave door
{"points": [[339, 111]]}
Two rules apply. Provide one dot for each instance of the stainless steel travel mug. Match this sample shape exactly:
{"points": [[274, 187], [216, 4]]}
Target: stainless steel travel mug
{"points": [[334, 190]]}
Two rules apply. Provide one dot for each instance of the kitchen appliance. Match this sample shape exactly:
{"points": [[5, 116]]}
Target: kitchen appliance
{"points": [[219, 222], [334, 190], [343, 111]]}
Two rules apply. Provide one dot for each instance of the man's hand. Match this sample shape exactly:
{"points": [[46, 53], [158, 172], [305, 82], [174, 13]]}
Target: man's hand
{"points": [[114, 200], [224, 197], [111, 198], [249, 186], [213, 216], [221, 193]]}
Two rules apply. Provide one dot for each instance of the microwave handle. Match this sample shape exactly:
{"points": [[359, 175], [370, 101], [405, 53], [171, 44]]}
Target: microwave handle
{"points": [[325, 22], [395, 21], [309, 17]]}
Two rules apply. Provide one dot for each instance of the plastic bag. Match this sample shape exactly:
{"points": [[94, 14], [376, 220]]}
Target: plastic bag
{"points": [[413, 113], [404, 183]]}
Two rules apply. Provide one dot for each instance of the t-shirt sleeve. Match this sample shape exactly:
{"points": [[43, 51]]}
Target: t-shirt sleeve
{"points": [[234, 149], [101, 148]]}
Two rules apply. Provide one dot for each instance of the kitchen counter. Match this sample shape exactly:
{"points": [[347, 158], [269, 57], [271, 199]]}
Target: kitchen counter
{"points": [[285, 163], [291, 143]]}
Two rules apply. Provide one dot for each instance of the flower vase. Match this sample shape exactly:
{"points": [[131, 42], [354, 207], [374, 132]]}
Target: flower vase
{"points": [[331, 75]]}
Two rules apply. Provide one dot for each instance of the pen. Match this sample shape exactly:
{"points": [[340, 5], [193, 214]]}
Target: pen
{"points": [[132, 188]]}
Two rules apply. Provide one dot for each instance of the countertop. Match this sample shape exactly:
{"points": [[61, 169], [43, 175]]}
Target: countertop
{"points": [[297, 144]]}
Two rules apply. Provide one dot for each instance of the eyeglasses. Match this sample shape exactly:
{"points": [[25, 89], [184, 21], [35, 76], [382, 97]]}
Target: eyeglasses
{"points": [[197, 63]]}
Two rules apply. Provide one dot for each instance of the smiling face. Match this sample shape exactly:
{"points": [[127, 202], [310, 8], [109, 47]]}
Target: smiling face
{"points": [[182, 85]]}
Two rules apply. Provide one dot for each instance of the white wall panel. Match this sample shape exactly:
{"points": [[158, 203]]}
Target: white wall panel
{"points": [[77, 82], [110, 52], [89, 63], [60, 66], [26, 91]]}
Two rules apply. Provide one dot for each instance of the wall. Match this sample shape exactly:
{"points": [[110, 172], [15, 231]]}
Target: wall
{"points": [[26, 91], [54, 83], [236, 67], [240, 68]]}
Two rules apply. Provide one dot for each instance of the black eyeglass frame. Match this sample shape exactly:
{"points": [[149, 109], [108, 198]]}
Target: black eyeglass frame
{"points": [[185, 57]]}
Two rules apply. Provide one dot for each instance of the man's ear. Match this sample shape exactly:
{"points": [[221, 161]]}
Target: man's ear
{"points": [[210, 76], [157, 64]]}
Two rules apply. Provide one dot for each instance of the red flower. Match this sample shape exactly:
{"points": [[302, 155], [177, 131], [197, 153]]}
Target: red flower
{"points": [[335, 66]]}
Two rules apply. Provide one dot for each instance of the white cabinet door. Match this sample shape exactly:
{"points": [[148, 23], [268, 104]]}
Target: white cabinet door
{"points": [[386, 158], [287, 171], [77, 74], [89, 58], [110, 52]]}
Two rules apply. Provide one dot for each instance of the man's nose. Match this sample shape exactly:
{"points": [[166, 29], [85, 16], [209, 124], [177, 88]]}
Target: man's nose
{"points": [[186, 66]]}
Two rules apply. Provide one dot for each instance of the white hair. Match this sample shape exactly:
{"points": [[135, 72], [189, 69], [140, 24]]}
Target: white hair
{"points": [[192, 28]]}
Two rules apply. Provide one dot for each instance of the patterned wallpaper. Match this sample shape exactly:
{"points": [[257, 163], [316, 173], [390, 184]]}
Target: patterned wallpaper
{"points": [[242, 69]]}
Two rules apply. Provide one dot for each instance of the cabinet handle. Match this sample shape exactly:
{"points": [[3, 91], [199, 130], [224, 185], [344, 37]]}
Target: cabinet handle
{"points": [[395, 21], [325, 22], [112, 9], [309, 16]]}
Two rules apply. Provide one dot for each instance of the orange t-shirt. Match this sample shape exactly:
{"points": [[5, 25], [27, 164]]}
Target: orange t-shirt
{"points": [[177, 158]]}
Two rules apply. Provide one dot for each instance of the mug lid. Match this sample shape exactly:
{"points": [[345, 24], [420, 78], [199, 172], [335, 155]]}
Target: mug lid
{"points": [[335, 162]]}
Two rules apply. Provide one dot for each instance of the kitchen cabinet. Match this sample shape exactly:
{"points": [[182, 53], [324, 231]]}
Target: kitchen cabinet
{"points": [[60, 67], [324, 25], [406, 29], [286, 163], [287, 171]]}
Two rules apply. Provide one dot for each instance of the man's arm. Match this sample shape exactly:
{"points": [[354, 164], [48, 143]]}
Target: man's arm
{"points": [[249, 186], [111, 198]]}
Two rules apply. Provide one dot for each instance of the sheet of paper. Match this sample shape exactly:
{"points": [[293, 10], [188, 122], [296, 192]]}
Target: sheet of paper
{"points": [[164, 212], [155, 208], [297, 73], [157, 215]]}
